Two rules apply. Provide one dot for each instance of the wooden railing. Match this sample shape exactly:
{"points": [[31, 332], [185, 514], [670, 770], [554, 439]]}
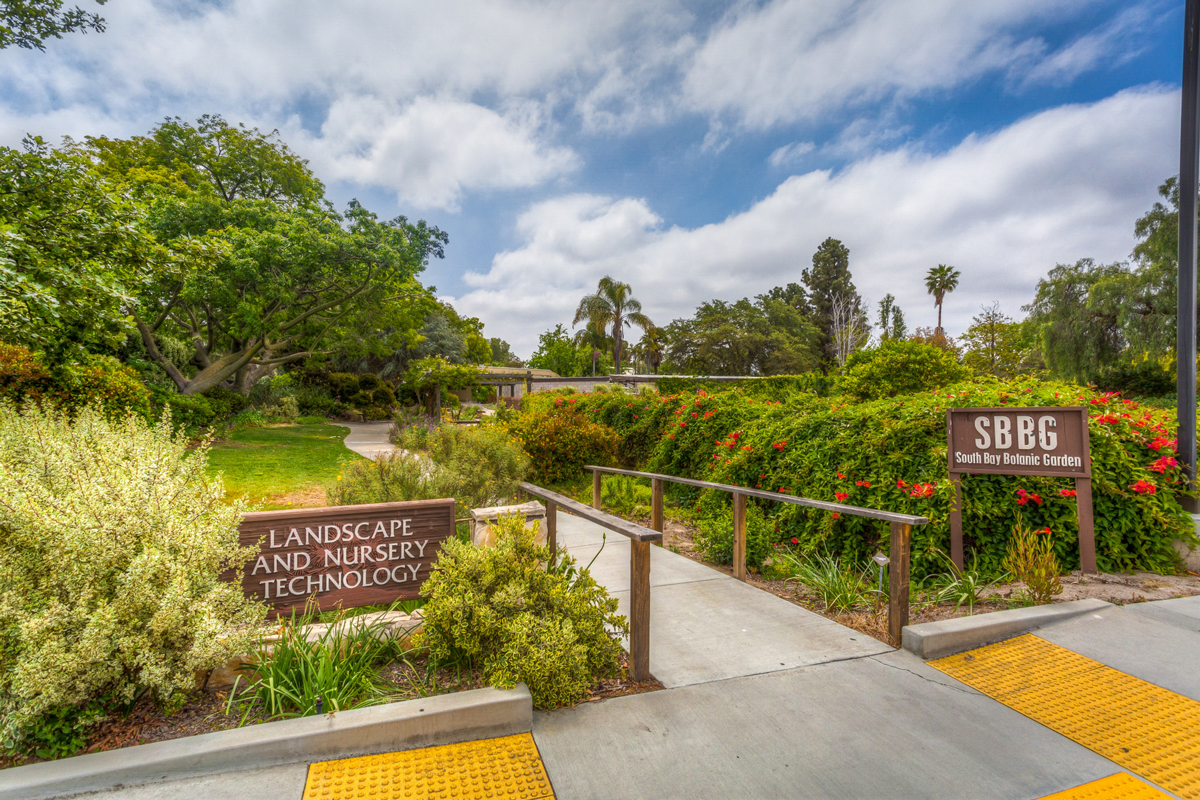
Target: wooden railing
{"points": [[639, 567], [901, 530]]}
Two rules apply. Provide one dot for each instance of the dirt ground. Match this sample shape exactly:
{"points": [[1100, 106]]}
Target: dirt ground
{"points": [[1121, 589]]}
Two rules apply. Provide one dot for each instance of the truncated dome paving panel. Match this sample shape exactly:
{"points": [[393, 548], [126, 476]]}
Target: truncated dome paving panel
{"points": [[1121, 786], [508, 767], [1146, 729]]}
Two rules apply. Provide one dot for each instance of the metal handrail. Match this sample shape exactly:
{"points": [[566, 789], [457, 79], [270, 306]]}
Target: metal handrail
{"points": [[639, 567], [900, 538], [872, 513]]}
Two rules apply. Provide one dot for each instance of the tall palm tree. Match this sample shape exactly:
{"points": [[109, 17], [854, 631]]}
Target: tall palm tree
{"points": [[612, 307], [594, 337], [651, 347], [940, 281]]}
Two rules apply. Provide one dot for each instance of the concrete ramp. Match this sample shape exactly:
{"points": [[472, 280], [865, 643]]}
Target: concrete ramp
{"points": [[706, 626]]}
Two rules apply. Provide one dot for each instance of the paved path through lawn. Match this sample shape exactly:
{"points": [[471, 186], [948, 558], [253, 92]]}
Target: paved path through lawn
{"points": [[369, 439]]}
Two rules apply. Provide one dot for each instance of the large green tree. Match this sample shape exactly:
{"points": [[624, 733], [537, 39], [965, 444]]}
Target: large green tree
{"points": [[557, 351], [612, 307], [1076, 337], [995, 343], [766, 337], [940, 281], [29, 23], [830, 287], [891, 320]]}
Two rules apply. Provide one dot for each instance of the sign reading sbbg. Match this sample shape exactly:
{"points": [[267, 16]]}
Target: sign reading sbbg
{"points": [[347, 555], [1019, 441]]}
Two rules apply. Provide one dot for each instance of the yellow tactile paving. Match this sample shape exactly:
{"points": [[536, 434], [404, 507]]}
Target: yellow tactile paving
{"points": [[1146, 729], [1121, 786], [508, 767]]}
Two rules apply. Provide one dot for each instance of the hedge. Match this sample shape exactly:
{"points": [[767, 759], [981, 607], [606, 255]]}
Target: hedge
{"points": [[101, 380]]}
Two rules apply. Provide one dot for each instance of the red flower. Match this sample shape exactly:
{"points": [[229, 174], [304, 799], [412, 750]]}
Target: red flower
{"points": [[671, 436], [836, 515], [841, 496], [922, 490], [760, 477], [683, 424], [1159, 444], [1163, 464], [841, 477], [1067, 492], [635, 416], [900, 484], [795, 540], [1144, 487], [693, 415], [1107, 418], [747, 447], [864, 484]]}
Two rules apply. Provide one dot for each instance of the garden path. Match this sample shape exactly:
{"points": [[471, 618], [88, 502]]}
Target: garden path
{"points": [[369, 439]]}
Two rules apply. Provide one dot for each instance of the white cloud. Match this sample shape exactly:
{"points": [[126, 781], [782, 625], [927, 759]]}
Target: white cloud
{"points": [[430, 151], [790, 154], [793, 60], [1004, 208]]}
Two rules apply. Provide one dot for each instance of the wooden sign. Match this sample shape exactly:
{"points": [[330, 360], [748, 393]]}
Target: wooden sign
{"points": [[348, 555], [1022, 441]]}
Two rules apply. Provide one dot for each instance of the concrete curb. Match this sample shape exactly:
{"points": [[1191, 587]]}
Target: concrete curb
{"points": [[946, 637], [444, 719]]}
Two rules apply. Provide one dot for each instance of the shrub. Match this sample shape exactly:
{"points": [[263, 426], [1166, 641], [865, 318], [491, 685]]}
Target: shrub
{"points": [[100, 380], [368, 382], [771, 387], [561, 441], [478, 466], [383, 396], [343, 385], [899, 367], [115, 541], [191, 412], [715, 537], [840, 587], [1144, 378], [317, 401], [1031, 560], [500, 609]]}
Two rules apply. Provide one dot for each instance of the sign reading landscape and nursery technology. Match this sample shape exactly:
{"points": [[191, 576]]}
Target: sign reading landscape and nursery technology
{"points": [[1022, 441], [352, 555]]}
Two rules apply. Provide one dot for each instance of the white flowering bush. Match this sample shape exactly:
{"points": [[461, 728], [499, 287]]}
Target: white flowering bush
{"points": [[112, 546]]}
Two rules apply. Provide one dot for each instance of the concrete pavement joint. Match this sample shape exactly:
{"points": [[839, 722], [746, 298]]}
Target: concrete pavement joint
{"points": [[927, 679]]}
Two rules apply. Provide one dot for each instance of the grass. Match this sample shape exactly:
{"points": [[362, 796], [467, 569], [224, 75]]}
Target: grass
{"points": [[281, 466]]}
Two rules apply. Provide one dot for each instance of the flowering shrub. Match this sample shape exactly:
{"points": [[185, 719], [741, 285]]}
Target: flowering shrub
{"points": [[502, 610], [899, 367], [561, 440], [114, 544], [99, 380]]}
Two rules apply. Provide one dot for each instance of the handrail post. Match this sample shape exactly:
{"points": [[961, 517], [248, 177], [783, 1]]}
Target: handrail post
{"points": [[656, 505], [898, 578], [739, 536], [552, 529], [639, 611], [596, 489]]}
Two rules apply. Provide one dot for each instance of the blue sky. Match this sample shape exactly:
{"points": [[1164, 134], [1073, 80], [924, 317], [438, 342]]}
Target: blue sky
{"points": [[695, 150]]}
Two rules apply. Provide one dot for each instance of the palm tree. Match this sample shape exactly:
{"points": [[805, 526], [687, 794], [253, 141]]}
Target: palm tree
{"points": [[651, 348], [612, 307], [593, 336], [940, 281]]}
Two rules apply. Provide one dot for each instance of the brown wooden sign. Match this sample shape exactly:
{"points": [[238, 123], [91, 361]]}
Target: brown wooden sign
{"points": [[1022, 441], [348, 555]]}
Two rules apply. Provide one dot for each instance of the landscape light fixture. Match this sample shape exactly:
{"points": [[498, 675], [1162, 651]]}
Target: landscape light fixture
{"points": [[882, 561], [1185, 342]]}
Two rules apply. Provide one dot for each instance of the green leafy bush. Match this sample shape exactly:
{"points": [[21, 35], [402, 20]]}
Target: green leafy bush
{"points": [[501, 610], [715, 537], [770, 387], [25, 377], [110, 575], [479, 466], [1144, 378], [899, 367], [561, 441]]}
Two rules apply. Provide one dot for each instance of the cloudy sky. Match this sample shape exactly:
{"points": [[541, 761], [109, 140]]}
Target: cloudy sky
{"points": [[693, 149]]}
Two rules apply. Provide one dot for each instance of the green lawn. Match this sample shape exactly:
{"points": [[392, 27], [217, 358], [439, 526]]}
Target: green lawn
{"points": [[285, 466]]}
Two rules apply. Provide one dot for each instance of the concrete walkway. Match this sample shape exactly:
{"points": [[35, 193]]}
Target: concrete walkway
{"points": [[369, 439], [768, 700]]}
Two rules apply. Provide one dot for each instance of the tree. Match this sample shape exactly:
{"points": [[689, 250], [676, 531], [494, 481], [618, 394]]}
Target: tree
{"points": [[558, 353], [994, 343], [612, 307], [940, 281], [767, 337], [594, 340], [1076, 337], [651, 348], [502, 354], [848, 331], [28, 23], [891, 320], [829, 278]]}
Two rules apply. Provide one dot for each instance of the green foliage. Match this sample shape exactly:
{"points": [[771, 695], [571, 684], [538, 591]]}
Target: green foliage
{"points": [[28, 23], [625, 496], [715, 538], [502, 354], [829, 281], [1142, 378], [479, 466], [995, 344], [767, 337], [891, 319], [98, 380], [110, 578], [1076, 333], [957, 586], [500, 609], [295, 665], [561, 441], [437, 371], [558, 352], [840, 586], [1031, 560], [774, 387], [899, 367], [611, 309]]}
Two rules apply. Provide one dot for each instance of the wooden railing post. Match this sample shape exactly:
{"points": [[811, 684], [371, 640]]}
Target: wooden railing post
{"points": [[552, 529], [656, 505], [639, 611], [898, 574], [596, 489], [739, 536]]}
